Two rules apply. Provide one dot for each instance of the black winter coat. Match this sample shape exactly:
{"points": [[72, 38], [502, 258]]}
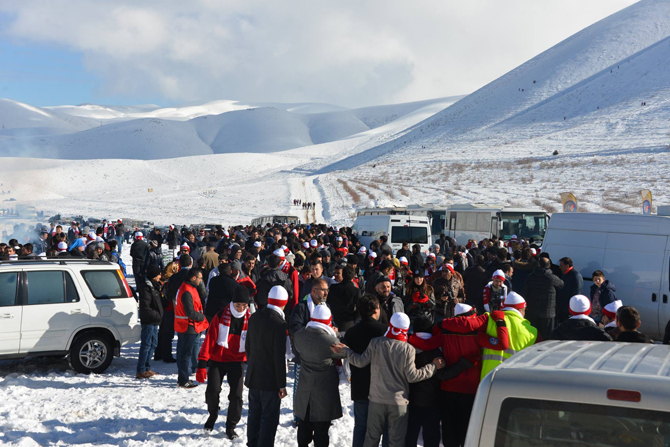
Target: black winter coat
{"points": [[572, 285], [342, 299], [221, 291], [269, 279], [151, 309], [579, 329], [265, 347], [475, 279], [139, 251], [522, 270], [539, 291], [358, 338], [607, 293], [173, 239], [633, 337], [174, 283]]}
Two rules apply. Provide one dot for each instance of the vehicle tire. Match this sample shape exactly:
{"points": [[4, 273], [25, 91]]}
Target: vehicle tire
{"points": [[91, 353]]}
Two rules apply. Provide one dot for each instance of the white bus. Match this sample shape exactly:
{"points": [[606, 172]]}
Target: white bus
{"points": [[478, 221], [436, 214], [264, 220]]}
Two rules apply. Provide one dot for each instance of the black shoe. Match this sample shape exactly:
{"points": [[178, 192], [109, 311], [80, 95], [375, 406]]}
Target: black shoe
{"points": [[209, 425], [188, 385], [170, 360], [230, 432]]}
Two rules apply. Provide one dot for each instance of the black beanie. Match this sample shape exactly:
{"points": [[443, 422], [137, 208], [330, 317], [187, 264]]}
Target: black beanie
{"points": [[241, 295], [153, 271]]}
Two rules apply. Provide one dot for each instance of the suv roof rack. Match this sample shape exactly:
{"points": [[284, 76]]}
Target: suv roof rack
{"points": [[60, 261]]}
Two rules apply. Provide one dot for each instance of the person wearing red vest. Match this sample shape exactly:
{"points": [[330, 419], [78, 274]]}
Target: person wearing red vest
{"points": [[189, 323], [224, 352]]}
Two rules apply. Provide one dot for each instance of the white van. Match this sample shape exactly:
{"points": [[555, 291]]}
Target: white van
{"points": [[632, 250], [575, 393], [398, 228]]}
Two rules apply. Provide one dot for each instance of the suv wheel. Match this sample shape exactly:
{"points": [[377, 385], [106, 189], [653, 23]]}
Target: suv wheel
{"points": [[91, 353]]}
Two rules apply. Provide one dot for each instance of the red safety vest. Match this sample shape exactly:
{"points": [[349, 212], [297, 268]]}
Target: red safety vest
{"points": [[181, 321]]}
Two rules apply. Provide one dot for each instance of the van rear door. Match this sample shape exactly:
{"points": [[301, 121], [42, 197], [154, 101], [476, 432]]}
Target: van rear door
{"points": [[635, 264], [664, 306]]}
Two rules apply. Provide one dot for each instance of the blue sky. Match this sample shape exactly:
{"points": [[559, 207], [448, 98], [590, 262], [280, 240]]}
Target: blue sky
{"points": [[364, 53]]}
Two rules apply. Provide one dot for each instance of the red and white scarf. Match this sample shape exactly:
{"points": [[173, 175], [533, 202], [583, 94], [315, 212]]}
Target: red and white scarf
{"points": [[224, 326], [396, 333], [286, 267]]}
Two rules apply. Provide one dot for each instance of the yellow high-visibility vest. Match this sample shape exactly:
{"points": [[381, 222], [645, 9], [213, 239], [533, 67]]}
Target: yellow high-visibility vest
{"points": [[521, 335]]}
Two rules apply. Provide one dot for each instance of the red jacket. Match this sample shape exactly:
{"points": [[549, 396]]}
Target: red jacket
{"points": [[292, 273], [211, 351], [463, 336]]}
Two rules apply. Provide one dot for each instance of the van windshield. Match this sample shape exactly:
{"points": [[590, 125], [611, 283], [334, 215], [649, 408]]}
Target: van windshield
{"points": [[413, 235], [527, 422], [524, 225]]}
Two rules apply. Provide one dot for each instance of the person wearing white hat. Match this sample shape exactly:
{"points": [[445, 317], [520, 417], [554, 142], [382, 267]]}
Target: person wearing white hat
{"points": [[580, 326], [139, 251], [521, 333], [392, 365], [266, 348], [317, 397], [495, 291], [463, 337], [609, 318]]}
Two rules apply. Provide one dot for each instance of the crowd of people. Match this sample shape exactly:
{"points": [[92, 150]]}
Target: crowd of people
{"points": [[413, 333]]}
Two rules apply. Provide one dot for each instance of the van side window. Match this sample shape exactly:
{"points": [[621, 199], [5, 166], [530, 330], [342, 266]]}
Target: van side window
{"points": [[7, 289], [51, 287], [525, 422], [414, 235], [105, 284]]}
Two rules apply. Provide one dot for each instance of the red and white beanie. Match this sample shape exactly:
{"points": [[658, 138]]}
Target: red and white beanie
{"points": [[580, 305], [258, 244], [313, 243], [514, 301], [305, 245], [362, 250], [498, 274], [171, 227], [185, 246], [286, 250], [279, 252], [431, 255], [278, 296], [513, 238], [91, 236], [62, 246], [611, 309], [403, 260], [461, 309], [138, 236], [447, 266], [120, 220], [372, 255], [321, 318], [398, 327], [533, 251]]}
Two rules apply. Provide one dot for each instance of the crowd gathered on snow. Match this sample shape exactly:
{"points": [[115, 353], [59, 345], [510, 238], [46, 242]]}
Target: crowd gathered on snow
{"points": [[413, 333]]}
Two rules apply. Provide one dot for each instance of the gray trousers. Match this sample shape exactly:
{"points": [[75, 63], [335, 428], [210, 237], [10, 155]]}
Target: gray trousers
{"points": [[379, 415]]}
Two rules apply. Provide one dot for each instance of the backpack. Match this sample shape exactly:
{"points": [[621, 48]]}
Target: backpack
{"points": [[114, 257]]}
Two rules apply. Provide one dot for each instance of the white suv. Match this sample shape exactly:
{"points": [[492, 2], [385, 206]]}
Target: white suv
{"points": [[79, 308]]}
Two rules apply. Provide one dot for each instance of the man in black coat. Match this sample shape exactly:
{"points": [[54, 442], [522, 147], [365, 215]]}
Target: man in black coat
{"points": [[572, 285], [166, 332], [139, 251], [539, 291], [151, 314], [266, 368], [475, 279], [358, 338], [580, 326], [221, 291], [270, 277], [342, 300]]}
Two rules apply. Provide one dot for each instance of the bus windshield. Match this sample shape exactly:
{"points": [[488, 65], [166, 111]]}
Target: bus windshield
{"points": [[523, 225]]}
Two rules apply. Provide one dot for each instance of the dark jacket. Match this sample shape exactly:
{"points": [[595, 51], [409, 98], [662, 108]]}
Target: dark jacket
{"points": [[269, 279], [579, 329], [173, 239], [151, 309], [221, 291], [342, 299], [539, 291], [173, 285], [266, 347], [358, 338], [607, 293], [522, 270], [139, 251], [475, 279], [633, 337], [572, 285]]}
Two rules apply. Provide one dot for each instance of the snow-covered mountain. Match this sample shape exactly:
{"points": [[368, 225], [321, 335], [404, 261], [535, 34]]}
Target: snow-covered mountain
{"points": [[600, 100]]}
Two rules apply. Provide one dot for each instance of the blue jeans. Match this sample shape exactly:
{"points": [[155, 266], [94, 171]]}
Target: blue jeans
{"points": [[119, 243], [148, 343], [361, 424], [185, 345], [263, 418], [194, 354], [296, 369]]}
